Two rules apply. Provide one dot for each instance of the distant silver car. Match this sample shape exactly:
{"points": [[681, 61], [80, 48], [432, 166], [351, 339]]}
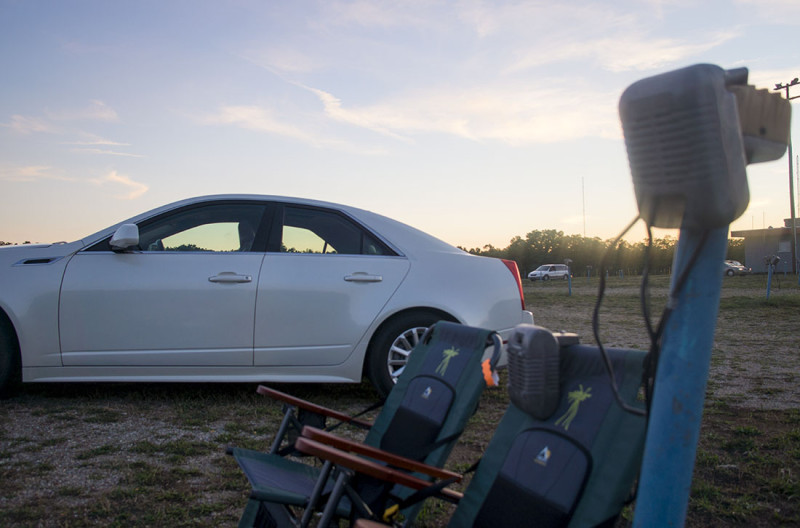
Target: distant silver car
{"points": [[242, 288], [549, 271], [734, 267]]}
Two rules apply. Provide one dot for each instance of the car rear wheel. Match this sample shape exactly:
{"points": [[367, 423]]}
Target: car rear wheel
{"points": [[566, 276], [392, 345], [729, 273], [9, 361]]}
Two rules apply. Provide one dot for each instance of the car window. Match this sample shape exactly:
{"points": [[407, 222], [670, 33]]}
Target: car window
{"points": [[207, 228], [214, 236], [313, 230]]}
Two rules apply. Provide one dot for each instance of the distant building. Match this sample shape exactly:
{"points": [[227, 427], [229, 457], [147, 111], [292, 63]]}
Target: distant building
{"points": [[759, 243]]}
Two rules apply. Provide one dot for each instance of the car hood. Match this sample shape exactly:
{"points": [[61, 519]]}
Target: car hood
{"points": [[37, 253]]}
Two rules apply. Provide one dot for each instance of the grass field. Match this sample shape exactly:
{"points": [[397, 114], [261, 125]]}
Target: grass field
{"points": [[153, 455]]}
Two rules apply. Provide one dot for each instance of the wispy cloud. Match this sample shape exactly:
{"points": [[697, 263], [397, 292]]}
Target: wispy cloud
{"points": [[29, 125], [257, 118], [64, 124], [92, 140], [94, 111], [510, 114], [612, 39], [282, 60], [53, 122], [642, 53], [334, 109], [621, 53], [31, 173], [375, 14], [774, 11], [107, 152], [131, 189], [91, 144], [265, 119], [35, 173], [540, 33], [58, 122]]}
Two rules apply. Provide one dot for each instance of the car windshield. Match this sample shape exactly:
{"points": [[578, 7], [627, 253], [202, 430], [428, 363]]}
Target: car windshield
{"points": [[543, 268]]}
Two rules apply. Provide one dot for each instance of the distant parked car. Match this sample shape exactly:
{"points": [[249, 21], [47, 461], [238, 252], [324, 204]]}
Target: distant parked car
{"points": [[549, 271], [734, 267], [242, 288]]}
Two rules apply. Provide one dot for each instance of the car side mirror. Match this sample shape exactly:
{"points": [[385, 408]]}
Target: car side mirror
{"points": [[125, 237]]}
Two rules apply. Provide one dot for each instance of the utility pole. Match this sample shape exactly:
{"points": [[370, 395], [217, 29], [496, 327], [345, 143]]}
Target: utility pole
{"points": [[785, 87], [583, 197]]}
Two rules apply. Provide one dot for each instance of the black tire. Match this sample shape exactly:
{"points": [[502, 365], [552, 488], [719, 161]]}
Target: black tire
{"points": [[394, 340], [546, 278], [729, 273], [566, 276], [10, 375]]}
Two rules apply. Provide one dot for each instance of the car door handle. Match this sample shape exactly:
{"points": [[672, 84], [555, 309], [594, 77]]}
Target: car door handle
{"points": [[229, 277], [360, 276]]}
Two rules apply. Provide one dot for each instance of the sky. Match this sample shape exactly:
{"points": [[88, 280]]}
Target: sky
{"points": [[475, 121]]}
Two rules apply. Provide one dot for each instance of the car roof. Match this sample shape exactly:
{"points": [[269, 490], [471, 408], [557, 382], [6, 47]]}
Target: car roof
{"points": [[405, 238]]}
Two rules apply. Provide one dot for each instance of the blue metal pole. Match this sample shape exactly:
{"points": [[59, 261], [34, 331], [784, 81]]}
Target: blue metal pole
{"points": [[679, 394], [569, 280]]}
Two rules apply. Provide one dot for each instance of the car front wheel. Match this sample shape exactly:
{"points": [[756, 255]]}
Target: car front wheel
{"points": [[9, 361], [546, 278], [392, 345]]}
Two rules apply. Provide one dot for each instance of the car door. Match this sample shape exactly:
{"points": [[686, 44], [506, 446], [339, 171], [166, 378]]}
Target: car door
{"points": [[323, 282], [185, 297]]}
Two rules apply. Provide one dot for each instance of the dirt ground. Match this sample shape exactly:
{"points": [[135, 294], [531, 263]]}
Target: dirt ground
{"points": [[153, 455]]}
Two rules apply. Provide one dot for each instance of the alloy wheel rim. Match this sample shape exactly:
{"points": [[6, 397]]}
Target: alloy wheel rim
{"points": [[401, 349]]}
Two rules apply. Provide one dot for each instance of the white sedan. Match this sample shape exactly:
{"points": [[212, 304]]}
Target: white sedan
{"points": [[241, 288]]}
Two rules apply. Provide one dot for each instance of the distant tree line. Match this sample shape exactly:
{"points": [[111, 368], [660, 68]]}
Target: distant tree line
{"points": [[13, 243], [549, 246]]}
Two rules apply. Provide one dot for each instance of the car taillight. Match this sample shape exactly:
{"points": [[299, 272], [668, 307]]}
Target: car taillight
{"points": [[512, 267]]}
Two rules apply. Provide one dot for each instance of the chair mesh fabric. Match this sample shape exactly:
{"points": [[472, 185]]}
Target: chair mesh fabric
{"points": [[419, 418]]}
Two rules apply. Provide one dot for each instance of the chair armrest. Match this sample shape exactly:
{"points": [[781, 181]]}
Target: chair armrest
{"points": [[312, 407], [343, 444], [369, 467]]}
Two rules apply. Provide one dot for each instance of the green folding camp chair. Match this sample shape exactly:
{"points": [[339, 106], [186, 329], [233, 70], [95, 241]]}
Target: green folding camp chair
{"points": [[421, 419], [570, 461]]}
